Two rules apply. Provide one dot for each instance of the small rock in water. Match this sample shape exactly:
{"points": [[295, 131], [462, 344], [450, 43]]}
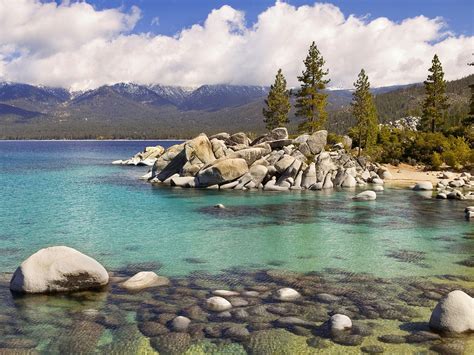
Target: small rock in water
{"points": [[423, 186], [219, 205], [340, 322], [372, 349], [378, 188], [225, 293], [145, 279], [180, 323], [365, 196], [218, 304], [287, 294]]}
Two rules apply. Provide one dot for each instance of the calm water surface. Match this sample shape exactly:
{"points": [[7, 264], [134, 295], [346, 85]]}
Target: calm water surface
{"points": [[68, 193]]}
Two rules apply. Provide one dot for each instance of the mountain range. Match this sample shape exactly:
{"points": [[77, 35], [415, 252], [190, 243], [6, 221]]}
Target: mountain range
{"points": [[127, 110]]}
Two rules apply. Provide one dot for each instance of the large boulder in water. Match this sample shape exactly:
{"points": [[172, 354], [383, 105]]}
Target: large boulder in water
{"points": [[454, 313], [222, 171], [58, 269]]}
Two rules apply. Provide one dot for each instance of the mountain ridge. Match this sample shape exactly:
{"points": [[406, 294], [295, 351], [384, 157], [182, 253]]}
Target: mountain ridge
{"points": [[129, 110]]}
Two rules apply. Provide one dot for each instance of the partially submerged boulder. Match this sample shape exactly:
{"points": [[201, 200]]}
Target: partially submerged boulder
{"points": [[423, 186], [58, 269], [365, 196]]}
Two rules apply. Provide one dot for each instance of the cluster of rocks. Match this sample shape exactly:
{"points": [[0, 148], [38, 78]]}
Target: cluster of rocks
{"points": [[410, 123], [147, 157], [452, 186], [271, 162], [62, 269]]}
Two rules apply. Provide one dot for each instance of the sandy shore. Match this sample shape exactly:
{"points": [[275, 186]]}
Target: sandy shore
{"points": [[406, 175]]}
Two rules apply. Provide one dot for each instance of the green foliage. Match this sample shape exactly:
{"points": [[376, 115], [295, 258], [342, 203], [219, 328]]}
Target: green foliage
{"points": [[432, 149], [311, 101], [436, 101], [277, 104], [436, 161], [363, 109]]}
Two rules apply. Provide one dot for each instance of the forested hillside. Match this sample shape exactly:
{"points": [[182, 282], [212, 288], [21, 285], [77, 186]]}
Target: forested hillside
{"points": [[134, 111]]}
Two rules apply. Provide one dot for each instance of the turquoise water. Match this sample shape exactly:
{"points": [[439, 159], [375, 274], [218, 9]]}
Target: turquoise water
{"points": [[68, 193], [387, 262]]}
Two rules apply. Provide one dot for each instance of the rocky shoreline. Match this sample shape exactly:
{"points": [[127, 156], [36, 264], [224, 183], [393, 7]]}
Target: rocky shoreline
{"points": [[257, 312], [272, 162]]}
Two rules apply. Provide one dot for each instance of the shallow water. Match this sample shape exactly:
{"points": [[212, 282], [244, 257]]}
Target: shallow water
{"points": [[68, 193]]}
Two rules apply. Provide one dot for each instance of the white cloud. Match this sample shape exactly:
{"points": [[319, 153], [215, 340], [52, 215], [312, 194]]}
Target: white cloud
{"points": [[74, 45]]}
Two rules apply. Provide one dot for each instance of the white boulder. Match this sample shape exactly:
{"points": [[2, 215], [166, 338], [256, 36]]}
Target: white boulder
{"points": [[58, 269], [340, 322], [287, 294], [454, 313]]}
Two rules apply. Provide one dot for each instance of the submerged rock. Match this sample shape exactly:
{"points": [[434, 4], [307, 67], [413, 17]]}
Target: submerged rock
{"points": [[365, 196], [218, 304], [145, 279], [180, 323], [58, 269], [454, 313]]}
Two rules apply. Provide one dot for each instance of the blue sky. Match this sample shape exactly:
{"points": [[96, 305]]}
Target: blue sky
{"points": [[175, 14]]}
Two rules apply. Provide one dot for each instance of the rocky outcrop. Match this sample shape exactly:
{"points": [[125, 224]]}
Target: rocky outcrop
{"points": [[454, 313], [58, 269], [147, 157], [272, 162]]}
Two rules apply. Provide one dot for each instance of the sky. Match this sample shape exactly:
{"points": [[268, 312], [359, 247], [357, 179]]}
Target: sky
{"points": [[82, 45]]}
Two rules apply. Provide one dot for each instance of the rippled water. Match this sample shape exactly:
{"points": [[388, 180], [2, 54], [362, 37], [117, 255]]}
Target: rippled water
{"points": [[68, 193]]}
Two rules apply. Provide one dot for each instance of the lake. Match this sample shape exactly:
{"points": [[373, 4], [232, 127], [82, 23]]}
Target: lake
{"points": [[68, 193]]}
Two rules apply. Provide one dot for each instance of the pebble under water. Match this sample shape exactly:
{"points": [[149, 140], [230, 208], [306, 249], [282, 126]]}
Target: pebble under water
{"points": [[383, 263]]}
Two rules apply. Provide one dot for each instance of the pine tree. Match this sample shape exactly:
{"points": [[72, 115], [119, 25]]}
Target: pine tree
{"points": [[469, 120], [278, 104], [365, 112], [436, 101], [311, 101]]}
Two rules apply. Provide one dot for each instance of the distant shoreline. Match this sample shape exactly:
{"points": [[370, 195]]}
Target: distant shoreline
{"points": [[92, 140]]}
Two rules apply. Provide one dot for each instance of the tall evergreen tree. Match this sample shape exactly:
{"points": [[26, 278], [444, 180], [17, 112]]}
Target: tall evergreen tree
{"points": [[436, 101], [311, 100], [278, 103], [469, 120], [365, 112]]}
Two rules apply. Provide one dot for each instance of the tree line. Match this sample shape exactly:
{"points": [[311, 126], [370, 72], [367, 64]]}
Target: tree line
{"points": [[311, 107]]}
